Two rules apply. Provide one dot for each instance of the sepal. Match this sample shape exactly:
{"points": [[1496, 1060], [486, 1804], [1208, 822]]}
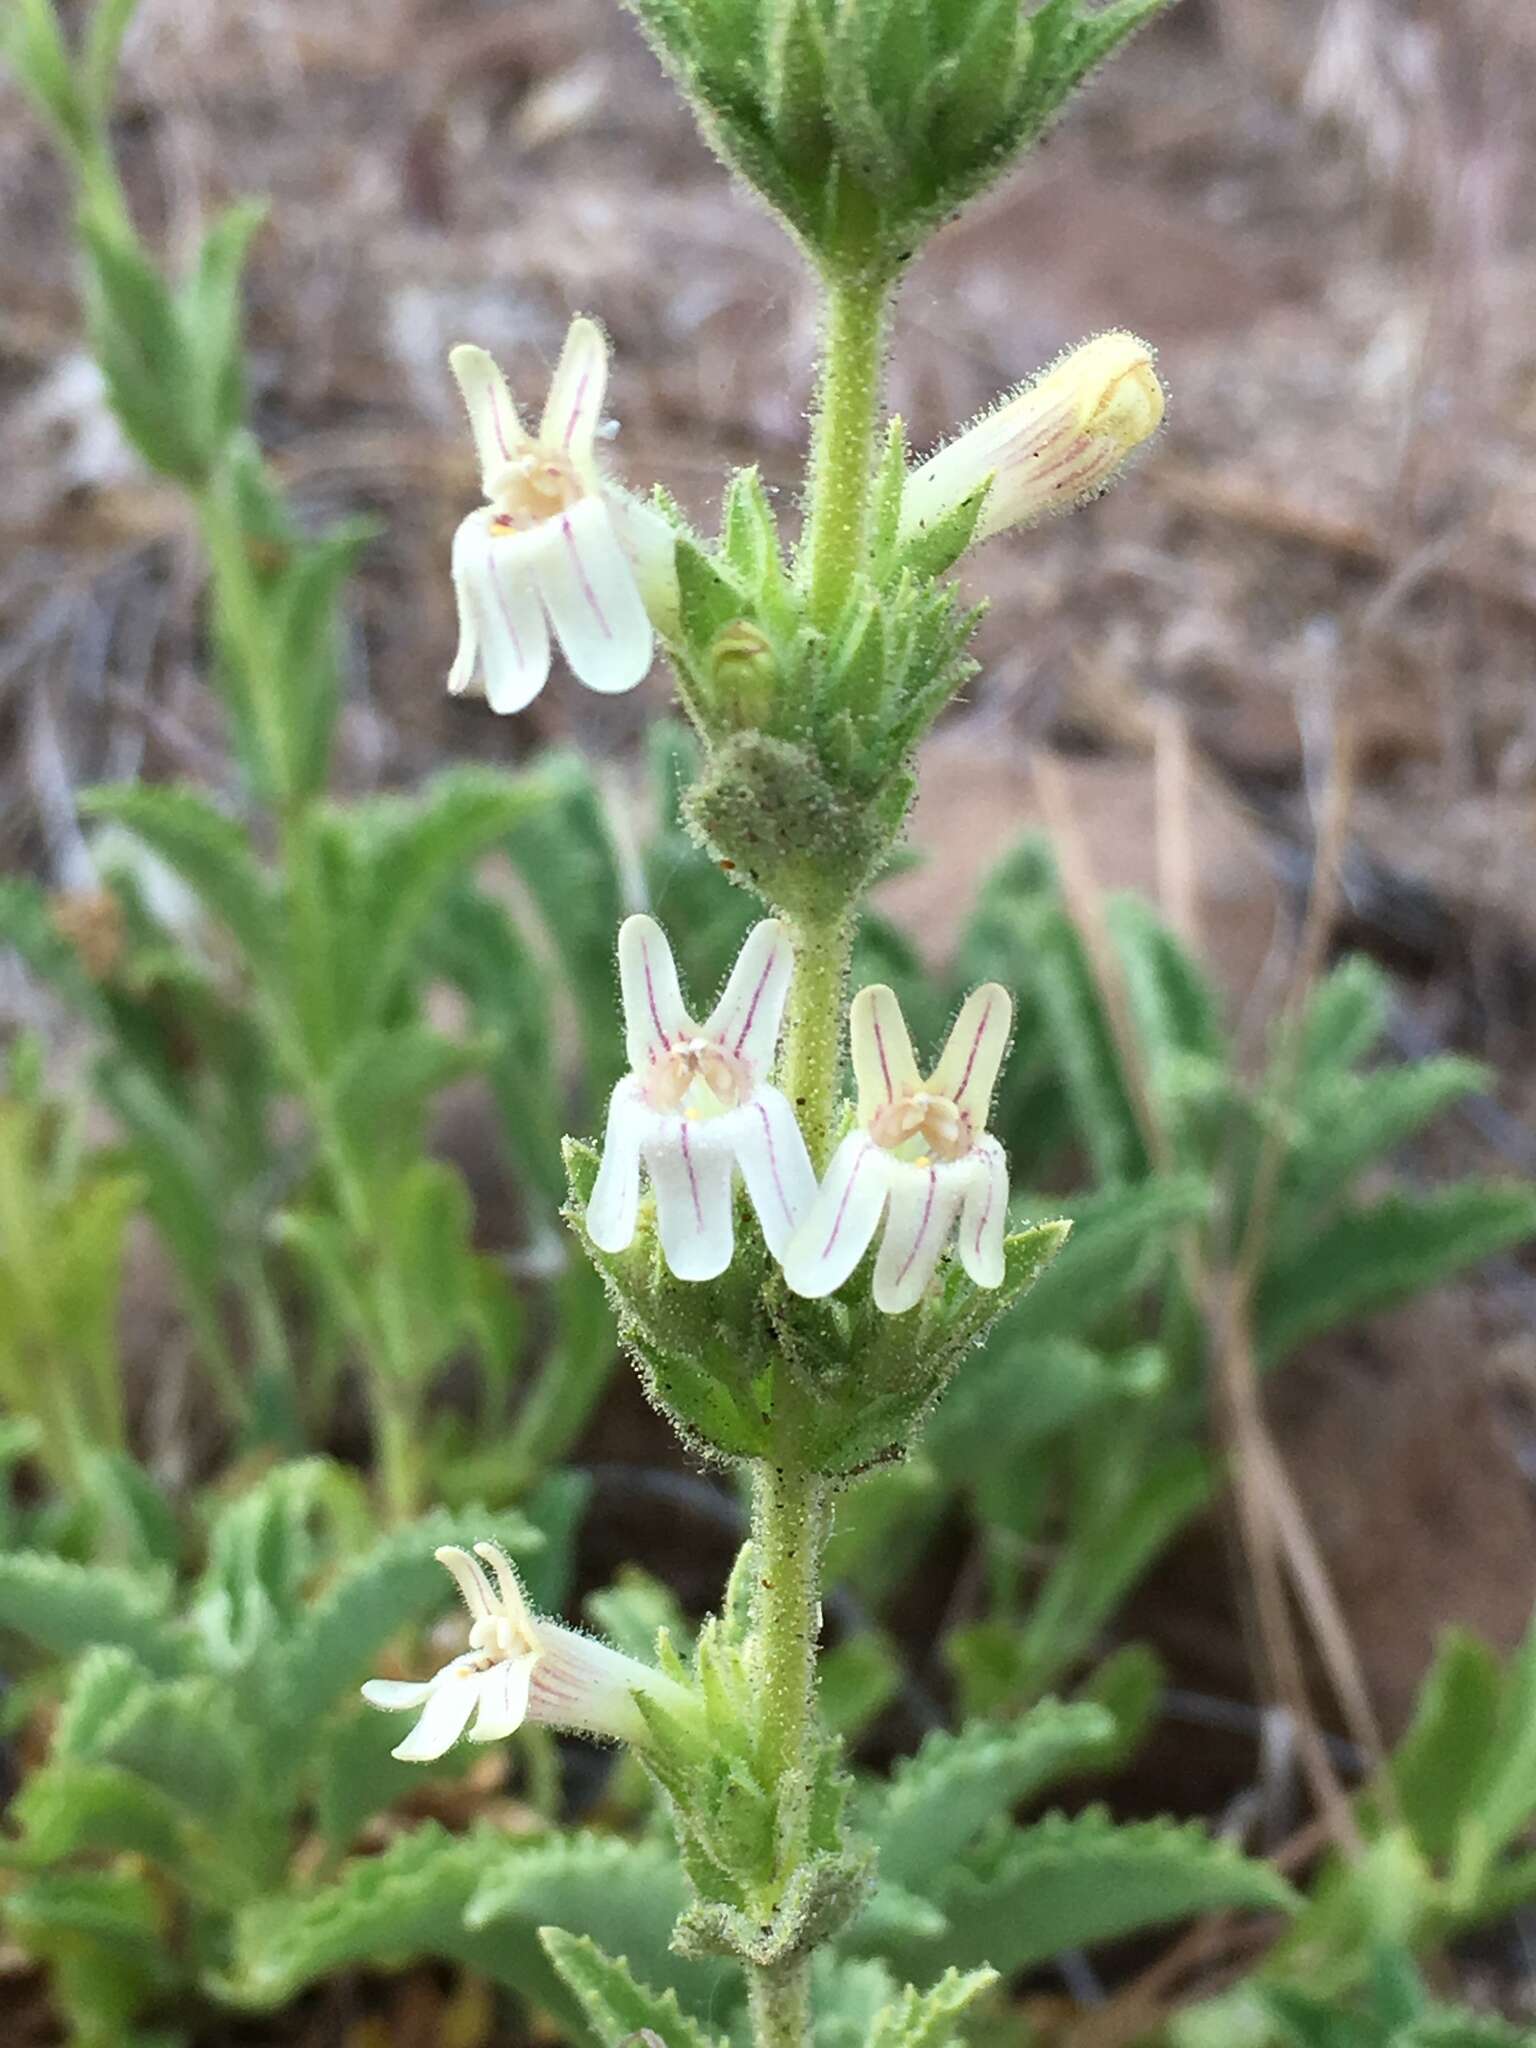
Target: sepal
{"points": [[872, 1378], [702, 1352]]}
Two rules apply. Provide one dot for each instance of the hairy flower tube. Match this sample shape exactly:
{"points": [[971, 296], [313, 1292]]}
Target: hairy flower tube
{"points": [[697, 1106], [1056, 442], [920, 1157], [555, 544], [519, 1667]]}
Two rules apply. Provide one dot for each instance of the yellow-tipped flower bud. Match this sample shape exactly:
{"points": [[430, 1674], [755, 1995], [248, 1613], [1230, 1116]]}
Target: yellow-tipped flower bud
{"points": [[1046, 448]]}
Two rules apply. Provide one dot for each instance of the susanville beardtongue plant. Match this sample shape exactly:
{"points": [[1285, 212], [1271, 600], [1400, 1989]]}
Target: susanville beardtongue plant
{"points": [[810, 675]]}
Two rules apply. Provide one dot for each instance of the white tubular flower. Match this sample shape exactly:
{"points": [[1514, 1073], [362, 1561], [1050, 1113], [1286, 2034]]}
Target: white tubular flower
{"points": [[519, 1667], [920, 1157], [555, 544], [697, 1105], [1056, 442]]}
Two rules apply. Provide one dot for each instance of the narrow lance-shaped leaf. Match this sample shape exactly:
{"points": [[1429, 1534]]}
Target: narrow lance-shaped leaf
{"points": [[615, 2004]]}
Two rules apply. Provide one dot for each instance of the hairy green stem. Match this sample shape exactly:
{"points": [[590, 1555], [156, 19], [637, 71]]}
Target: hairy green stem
{"points": [[789, 1515], [843, 444], [813, 1037], [781, 2004]]}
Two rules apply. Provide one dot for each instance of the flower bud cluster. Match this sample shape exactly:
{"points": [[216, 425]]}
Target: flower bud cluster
{"points": [[865, 126]]}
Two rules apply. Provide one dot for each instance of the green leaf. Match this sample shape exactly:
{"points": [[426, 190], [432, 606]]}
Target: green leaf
{"points": [[1030, 1892], [856, 1680], [1502, 1795], [386, 1079], [137, 338], [1084, 1047], [564, 853], [624, 1895], [928, 2019], [104, 31], [1401, 1246], [1120, 1525], [67, 1809], [1344, 1020], [476, 945], [1352, 1121], [183, 1737], [571, 1379], [1437, 1765], [64, 1608], [381, 1910], [33, 44], [103, 1933], [848, 1994], [355, 1775], [211, 853], [938, 1801], [1446, 2028], [615, 2005], [415, 850], [1119, 1237], [211, 321], [265, 1545]]}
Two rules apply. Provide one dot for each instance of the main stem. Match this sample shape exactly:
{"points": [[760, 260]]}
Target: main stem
{"points": [[790, 1499], [788, 1529], [842, 444]]}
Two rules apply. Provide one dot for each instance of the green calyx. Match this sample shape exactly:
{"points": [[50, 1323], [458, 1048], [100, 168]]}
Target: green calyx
{"points": [[865, 123], [810, 731], [733, 1363]]}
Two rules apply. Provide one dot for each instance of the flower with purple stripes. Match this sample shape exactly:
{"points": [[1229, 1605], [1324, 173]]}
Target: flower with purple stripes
{"points": [[1046, 448], [696, 1107], [555, 544], [919, 1157], [518, 1667]]}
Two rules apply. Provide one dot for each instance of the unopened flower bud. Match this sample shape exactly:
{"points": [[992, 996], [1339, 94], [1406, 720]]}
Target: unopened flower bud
{"points": [[1047, 448]]}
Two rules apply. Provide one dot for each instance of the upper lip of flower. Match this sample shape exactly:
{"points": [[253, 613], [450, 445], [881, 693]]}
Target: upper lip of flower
{"points": [[948, 1109]]}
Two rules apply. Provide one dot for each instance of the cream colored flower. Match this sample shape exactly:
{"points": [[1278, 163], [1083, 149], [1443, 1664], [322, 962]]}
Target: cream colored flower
{"points": [[920, 1158], [1048, 447], [519, 1667], [696, 1107], [555, 544]]}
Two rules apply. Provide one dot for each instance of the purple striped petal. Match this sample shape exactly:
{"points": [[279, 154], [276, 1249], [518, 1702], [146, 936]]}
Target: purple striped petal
{"points": [[654, 1016], [691, 1167], [574, 409], [968, 1071], [781, 1181], [593, 600], [746, 1018], [842, 1220], [924, 1200], [984, 1218], [883, 1062]]}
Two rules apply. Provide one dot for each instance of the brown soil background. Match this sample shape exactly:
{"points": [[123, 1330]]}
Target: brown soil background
{"points": [[1319, 212]]}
